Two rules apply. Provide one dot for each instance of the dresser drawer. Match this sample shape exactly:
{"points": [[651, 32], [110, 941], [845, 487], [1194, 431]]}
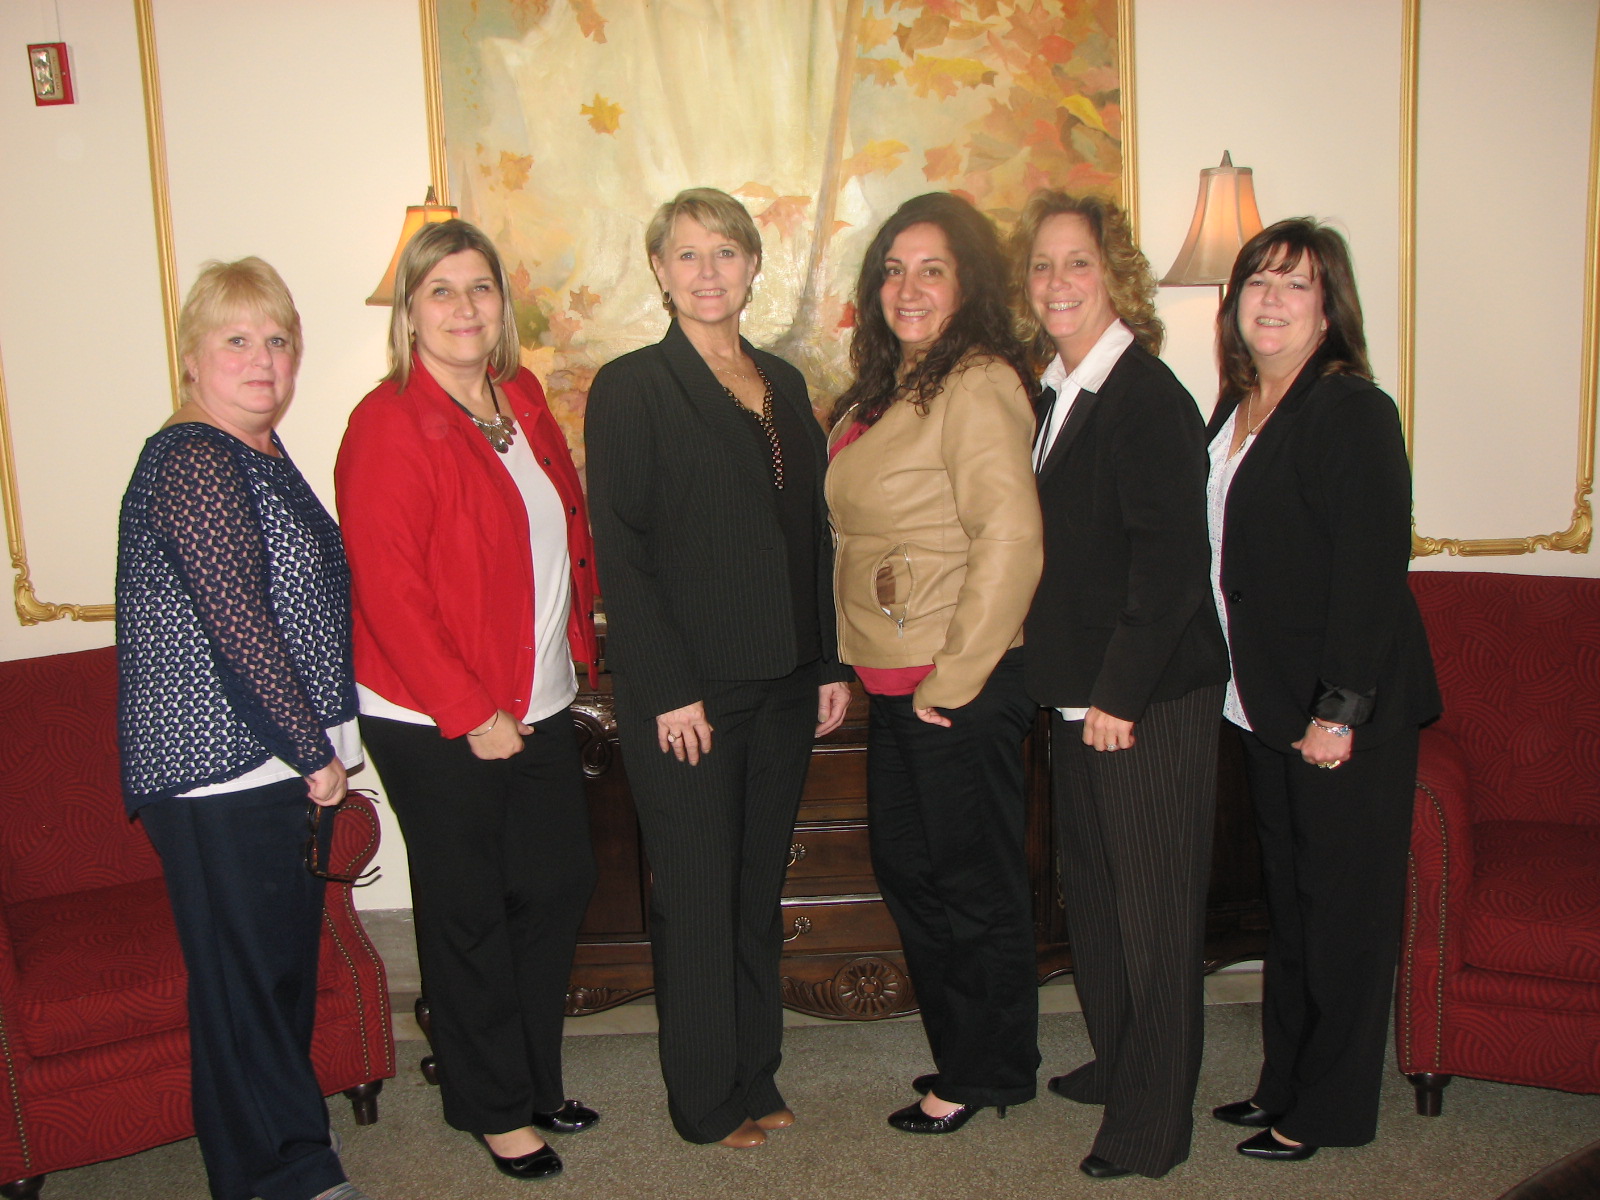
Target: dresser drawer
{"points": [[827, 860], [819, 923]]}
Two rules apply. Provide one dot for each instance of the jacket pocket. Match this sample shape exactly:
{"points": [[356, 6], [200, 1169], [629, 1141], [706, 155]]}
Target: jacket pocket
{"points": [[893, 582]]}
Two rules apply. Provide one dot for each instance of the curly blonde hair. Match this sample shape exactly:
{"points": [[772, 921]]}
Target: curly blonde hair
{"points": [[1129, 280]]}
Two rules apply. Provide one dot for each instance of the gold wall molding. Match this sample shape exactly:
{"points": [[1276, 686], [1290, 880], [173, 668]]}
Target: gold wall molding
{"points": [[1576, 537], [30, 609], [1130, 142]]}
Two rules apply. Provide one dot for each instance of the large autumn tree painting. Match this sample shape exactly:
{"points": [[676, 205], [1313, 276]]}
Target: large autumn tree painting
{"points": [[567, 122]]}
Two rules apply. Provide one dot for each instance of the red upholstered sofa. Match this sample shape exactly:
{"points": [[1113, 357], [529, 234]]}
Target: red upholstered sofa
{"points": [[94, 1047], [1500, 969]]}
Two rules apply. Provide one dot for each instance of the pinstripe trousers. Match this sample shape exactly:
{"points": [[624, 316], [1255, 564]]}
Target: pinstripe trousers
{"points": [[1134, 831]]}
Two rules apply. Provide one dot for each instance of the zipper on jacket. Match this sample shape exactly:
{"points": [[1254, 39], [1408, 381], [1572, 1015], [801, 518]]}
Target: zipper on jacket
{"points": [[885, 583]]}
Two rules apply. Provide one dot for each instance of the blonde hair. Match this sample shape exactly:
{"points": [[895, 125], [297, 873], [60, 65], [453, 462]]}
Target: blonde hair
{"points": [[1129, 281], [427, 247], [713, 209], [221, 293]]}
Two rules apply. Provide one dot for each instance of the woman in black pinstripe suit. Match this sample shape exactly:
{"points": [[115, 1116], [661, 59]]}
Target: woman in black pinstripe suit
{"points": [[1122, 644], [705, 488]]}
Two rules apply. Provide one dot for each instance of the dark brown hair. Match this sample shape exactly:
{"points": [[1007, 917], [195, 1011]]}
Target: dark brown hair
{"points": [[982, 325], [1344, 344], [1130, 282]]}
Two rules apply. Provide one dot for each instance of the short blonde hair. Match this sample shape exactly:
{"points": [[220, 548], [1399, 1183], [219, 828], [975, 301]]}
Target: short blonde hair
{"points": [[221, 293], [1129, 280], [427, 247], [716, 211]]}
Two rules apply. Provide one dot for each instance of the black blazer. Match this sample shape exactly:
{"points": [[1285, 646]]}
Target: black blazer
{"points": [[1123, 615], [692, 561], [1316, 544]]}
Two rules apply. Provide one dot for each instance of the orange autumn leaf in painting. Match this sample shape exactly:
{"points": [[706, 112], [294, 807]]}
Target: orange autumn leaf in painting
{"points": [[924, 33], [944, 76], [880, 70], [874, 32], [1083, 108], [514, 170], [943, 162], [788, 213], [590, 21], [604, 116], [583, 301], [883, 155]]}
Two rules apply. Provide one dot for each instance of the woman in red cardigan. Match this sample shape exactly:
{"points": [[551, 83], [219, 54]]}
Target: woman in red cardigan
{"points": [[474, 589]]}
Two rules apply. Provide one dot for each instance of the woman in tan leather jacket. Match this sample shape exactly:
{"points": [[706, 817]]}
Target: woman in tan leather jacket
{"points": [[933, 503]]}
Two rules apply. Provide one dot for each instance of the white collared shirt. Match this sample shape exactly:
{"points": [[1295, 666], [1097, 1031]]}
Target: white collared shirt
{"points": [[1088, 376]]}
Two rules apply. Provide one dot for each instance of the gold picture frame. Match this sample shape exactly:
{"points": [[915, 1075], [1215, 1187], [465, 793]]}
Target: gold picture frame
{"points": [[30, 609], [1576, 537]]}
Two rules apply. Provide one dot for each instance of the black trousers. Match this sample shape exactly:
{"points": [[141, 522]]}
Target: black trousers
{"points": [[249, 916], [1334, 847], [948, 823], [501, 874], [717, 836], [1134, 830]]}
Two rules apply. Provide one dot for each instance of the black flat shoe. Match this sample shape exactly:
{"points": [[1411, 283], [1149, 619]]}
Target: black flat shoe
{"points": [[923, 1084], [1264, 1145], [541, 1164], [1245, 1112], [571, 1117], [1059, 1084], [1096, 1167], [911, 1118]]}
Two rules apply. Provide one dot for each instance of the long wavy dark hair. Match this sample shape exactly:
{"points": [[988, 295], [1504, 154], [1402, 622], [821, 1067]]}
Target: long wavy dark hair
{"points": [[1344, 345], [981, 326]]}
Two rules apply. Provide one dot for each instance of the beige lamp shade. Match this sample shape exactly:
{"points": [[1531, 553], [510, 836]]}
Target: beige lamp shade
{"points": [[417, 215], [1225, 218]]}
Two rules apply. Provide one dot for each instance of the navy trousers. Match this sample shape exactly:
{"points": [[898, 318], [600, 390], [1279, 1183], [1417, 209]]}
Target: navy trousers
{"points": [[249, 915]]}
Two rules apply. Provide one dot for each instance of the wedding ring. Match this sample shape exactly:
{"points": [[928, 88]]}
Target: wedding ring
{"points": [[1328, 766]]}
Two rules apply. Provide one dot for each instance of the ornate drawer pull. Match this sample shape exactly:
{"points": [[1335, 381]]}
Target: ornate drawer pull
{"points": [[797, 851], [801, 925]]}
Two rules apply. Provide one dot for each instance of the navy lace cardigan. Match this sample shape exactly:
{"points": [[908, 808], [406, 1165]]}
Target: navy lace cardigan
{"points": [[233, 616]]}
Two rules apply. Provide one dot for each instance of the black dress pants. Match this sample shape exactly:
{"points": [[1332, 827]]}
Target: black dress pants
{"points": [[948, 822], [1333, 847], [717, 837], [249, 916], [1134, 828], [501, 874]]}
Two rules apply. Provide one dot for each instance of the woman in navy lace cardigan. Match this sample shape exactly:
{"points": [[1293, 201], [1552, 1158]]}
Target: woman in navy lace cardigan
{"points": [[237, 724]]}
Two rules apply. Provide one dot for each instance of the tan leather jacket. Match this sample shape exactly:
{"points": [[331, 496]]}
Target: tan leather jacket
{"points": [[938, 530]]}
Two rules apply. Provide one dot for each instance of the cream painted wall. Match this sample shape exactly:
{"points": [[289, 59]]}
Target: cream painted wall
{"points": [[296, 131]]}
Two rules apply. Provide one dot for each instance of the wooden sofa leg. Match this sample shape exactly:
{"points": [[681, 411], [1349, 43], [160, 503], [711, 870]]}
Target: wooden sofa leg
{"points": [[1430, 1091], [429, 1065], [364, 1099], [22, 1189]]}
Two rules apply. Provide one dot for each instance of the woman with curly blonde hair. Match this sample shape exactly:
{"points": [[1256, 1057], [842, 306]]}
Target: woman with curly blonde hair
{"points": [[1121, 643]]}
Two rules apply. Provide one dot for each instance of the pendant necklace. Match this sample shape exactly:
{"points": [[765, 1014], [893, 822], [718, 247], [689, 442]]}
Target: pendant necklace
{"points": [[499, 431]]}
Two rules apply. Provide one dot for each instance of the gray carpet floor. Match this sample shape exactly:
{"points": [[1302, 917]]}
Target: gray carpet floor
{"points": [[842, 1080]]}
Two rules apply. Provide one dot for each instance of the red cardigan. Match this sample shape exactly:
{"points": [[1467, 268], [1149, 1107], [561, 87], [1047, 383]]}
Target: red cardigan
{"points": [[440, 563]]}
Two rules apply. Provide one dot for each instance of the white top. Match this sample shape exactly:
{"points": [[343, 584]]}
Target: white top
{"points": [[555, 684], [1088, 376], [1223, 468], [346, 741]]}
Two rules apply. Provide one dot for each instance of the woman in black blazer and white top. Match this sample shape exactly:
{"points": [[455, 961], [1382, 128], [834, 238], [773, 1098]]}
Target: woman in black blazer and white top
{"points": [[1121, 643], [1310, 513], [705, 489]]}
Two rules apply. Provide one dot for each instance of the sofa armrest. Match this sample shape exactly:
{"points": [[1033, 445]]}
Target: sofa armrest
{"points": [[1437, 884]]}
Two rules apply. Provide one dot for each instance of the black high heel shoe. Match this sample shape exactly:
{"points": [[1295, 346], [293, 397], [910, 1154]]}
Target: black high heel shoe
{"points": [[571, 1117], [1246, 1113], [912, 1118], [540, 1164]]}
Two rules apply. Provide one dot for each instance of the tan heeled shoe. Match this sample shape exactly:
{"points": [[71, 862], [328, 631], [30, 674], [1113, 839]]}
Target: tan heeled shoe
{"points": [[747, 1137], [781, 1119]]}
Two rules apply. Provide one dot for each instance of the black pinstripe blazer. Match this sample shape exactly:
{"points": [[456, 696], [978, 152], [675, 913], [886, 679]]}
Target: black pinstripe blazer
{"points": [[692, 560]]}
